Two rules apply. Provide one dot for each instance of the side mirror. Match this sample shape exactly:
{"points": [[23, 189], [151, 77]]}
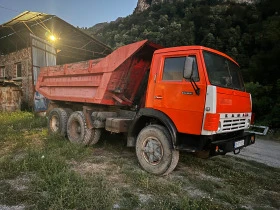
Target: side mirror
{"points": [[188, 68]]}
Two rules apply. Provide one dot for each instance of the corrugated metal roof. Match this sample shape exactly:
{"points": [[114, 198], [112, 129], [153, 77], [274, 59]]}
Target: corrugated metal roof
{"points": [[15, 35], [27, 16]]}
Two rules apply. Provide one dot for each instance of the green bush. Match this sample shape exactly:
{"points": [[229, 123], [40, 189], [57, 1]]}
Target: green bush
{"points": [[266, 105]]}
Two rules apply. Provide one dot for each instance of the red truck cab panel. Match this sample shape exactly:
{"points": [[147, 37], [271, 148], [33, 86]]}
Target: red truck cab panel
{"points": [[174, 95], [232, 101]]}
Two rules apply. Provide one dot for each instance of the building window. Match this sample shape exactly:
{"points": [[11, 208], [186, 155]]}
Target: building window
{"points": [[2, 71], [18, 70]]}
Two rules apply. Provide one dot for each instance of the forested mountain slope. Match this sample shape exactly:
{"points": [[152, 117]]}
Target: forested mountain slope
{"points": [[249, 32]]}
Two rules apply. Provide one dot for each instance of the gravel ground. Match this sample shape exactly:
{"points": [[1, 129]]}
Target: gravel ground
{"points": [[263, 151]]}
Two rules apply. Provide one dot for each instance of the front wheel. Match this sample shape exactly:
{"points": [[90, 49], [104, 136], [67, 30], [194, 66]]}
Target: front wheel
{"points": [[154, 150]]}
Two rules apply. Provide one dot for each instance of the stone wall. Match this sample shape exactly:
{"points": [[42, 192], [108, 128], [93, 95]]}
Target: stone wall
{"points": [[9, 61], [10, 98]]}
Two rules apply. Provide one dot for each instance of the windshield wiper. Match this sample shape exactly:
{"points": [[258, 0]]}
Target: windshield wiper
{"points": [[228, 79], [195, 87]]}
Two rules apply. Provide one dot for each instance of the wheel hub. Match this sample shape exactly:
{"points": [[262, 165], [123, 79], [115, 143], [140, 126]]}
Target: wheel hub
{"points": [[152, 151], [76, 128], [54, 123]]}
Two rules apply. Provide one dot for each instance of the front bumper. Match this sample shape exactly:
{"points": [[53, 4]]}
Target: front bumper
{"points": [[219, 147]]}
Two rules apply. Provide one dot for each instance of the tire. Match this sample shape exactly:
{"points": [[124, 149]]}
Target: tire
{"points": [[155, 152], [68, 111], [77, 130], [95, 136], [57, 121]]}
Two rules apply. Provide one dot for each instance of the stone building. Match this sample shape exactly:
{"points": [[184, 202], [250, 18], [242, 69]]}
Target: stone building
{"points": [[32, 40], [16, 66]]}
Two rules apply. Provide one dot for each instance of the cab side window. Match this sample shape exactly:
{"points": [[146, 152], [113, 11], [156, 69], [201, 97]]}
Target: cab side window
{"points": [[174, 67]]}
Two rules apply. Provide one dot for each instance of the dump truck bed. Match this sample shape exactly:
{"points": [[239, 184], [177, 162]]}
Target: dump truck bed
{"points": [[113, 80]]}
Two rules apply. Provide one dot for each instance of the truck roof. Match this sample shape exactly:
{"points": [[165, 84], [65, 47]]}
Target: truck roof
{"points": [[193, 47]]}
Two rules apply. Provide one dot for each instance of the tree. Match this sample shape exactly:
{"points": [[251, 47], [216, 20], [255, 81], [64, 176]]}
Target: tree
{"points": [[209, 40], [248, 32]]}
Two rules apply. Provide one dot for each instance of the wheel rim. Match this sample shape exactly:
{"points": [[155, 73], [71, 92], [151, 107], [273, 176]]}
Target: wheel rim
{"points": [[152, 151], [54, 123], [75, 129]]}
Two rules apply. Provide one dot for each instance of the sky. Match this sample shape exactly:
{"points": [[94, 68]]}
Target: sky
{"points": [[82, 13]]}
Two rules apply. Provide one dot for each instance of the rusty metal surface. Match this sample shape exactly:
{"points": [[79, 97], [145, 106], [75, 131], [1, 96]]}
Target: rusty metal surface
{"points": [[87, 112], [112, 80], [10, 98]]}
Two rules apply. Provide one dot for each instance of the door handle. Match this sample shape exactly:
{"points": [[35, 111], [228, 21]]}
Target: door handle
{"points": [[158, 97]]}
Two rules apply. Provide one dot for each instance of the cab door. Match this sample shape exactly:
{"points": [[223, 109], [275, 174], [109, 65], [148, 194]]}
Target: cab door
{"points": [[175, 96]]}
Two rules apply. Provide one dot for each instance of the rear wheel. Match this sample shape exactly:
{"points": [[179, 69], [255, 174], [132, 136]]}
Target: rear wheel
{"points": [[95, 136], [57, 121], [154, 150], [77, 130], [68, 111]]}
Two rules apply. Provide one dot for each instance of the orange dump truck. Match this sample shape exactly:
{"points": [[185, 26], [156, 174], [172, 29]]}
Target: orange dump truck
{"points": [[188, 98]]}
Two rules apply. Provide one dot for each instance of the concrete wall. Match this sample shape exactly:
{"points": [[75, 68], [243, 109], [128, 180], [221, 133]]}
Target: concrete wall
{"points": [[24, 57]]}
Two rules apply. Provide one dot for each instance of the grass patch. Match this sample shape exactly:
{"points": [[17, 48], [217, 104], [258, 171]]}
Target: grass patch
{"points": [[242, 183], [54, 185], [39, 171], [128, 200], [11, 196], [17, 121]]}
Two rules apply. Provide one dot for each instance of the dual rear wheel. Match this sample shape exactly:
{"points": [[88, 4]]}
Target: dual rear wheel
{"points": [[78, 132], [65, 122]]}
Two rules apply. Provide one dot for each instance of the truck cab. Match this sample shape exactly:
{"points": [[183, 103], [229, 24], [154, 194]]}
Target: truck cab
{"points": [[202, 91]]}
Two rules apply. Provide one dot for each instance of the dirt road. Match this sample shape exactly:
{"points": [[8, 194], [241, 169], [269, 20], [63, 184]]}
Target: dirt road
{"points": [[263, 151]]}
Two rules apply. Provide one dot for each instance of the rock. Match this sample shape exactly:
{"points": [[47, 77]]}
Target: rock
{"points": [[142, 5]]}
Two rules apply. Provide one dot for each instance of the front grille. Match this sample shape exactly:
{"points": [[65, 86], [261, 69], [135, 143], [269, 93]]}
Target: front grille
{"points": [[232, 124]]}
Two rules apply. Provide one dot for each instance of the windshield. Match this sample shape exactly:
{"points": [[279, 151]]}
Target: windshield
{"points": [[223, 72]]}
